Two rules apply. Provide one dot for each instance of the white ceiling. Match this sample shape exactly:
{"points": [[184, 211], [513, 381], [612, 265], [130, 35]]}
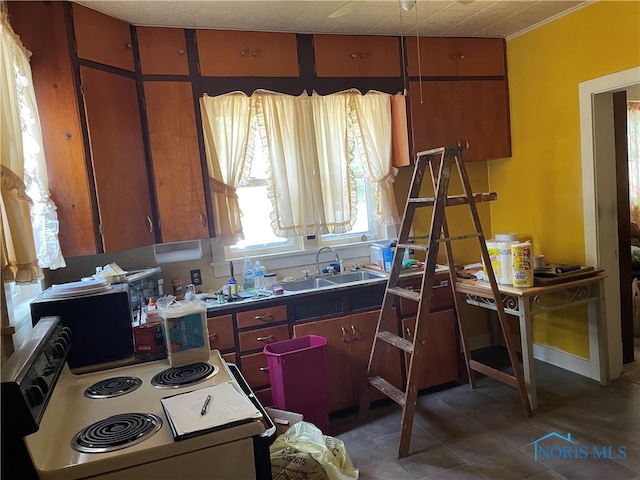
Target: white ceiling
{"points": [[473, 18]]}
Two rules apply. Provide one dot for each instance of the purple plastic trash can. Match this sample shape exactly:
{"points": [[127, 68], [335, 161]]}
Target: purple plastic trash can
{"points": [[298, 374]]}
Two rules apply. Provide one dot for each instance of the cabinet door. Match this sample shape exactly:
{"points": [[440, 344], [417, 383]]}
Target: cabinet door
{"points": [[41, 29], [162, 51], [378, 56], [176, 162], [120, 173], [453, 57], [102, 38], [435, 114], [336, 55], [340, 394], [273, 54], [440, 352], [362, 330], [221, 333], [223, 53], [484, 119], [356, 56]]}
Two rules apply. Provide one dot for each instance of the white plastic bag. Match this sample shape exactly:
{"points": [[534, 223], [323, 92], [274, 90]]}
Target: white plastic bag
{"points": [[185, 330], [304, 453]]}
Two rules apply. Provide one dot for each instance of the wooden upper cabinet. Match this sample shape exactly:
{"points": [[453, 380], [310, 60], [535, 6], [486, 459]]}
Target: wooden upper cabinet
{"points": [[117, 154], [163, 51], [175, 157], [224, 53], [456, 57], [102, 38], [356, 56], [471, 113]]}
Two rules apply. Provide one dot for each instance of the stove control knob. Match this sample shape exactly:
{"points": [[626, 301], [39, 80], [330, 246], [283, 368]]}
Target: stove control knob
{"points": [[50, 368], [41, 382], [35, 395]]}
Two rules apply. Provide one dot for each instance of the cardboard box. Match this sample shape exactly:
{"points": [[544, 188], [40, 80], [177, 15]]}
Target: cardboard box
{"points": [[282, 419], [381, 255]]}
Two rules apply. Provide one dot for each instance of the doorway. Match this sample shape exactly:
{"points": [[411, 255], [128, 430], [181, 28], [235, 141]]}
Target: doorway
{"points": [[600, 202]]}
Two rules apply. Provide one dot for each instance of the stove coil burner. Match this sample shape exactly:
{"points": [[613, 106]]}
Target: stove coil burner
{"points": [[184, 376], [116, 432], [113, 387]]}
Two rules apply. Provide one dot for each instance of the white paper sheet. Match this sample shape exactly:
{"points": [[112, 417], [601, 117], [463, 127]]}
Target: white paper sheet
{"points": [[228, 404]]}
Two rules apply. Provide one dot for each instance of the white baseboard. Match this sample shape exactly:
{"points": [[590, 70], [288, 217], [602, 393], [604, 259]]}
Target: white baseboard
{"points": [[559, 358]]}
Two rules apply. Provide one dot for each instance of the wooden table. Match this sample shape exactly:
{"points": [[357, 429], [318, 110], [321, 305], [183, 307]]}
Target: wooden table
{"points": [[525, 303]]}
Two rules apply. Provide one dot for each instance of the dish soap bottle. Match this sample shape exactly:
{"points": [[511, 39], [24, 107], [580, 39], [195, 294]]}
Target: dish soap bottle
{"points": [[247, 275], [258, 275]]}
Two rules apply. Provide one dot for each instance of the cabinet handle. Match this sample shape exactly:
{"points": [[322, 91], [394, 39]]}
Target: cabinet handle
{"points": [[263, 318], [461, 57], [244, 53], [264, 369], [255, 53], [128, 45], [265, 339], [203, 220], [354, 335], [345, 335], [354, 55], [150, 224], [409, 334], [213, 335], [453, 57], [466, 144], [363, 55], [181, 51]]}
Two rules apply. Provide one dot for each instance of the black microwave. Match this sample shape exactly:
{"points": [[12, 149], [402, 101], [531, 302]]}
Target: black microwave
{"points": [[100, 323], [145, 284]]}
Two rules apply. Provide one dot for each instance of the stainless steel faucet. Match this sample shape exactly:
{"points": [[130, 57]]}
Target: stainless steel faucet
{"points": [[318, 256]]}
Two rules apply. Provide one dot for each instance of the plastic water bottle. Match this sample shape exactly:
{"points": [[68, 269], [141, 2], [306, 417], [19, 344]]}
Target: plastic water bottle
{"points": [[247, 275], [258, 274]]}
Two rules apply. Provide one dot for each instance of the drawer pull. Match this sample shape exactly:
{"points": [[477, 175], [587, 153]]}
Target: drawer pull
{"points": [[213, 335], [354, 335], [409, 334], [264, 318], [264, 369], [268, 338]]}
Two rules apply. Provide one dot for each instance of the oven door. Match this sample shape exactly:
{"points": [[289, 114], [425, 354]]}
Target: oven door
{"points": [[262, 442]]}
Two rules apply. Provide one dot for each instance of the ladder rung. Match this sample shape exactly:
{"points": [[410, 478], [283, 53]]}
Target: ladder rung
{"points": [[453, 200], [413, 246], [493, 373], [396, 341], [403, 292], [389, 390], [460, 237]]}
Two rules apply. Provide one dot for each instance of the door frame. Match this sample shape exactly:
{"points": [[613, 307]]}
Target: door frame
{"points": [[599, 195]]}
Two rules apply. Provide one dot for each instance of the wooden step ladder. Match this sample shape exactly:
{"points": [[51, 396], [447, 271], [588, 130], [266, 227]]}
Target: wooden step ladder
{"points": [[440, 162]]}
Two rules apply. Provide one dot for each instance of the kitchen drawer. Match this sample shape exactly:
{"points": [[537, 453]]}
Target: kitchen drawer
{"points": [[262, 316], [261, 337], [230, 358], [441, 297], [220, 332], [255, 370]]}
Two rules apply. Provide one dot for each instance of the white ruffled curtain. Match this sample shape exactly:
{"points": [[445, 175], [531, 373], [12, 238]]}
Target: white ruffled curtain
{"points": [[633, 142], [29, 220], [226, 121], [309, 141]]}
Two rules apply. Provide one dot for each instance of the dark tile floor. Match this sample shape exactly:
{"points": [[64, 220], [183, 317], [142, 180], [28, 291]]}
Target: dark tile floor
{"points": [[460, 433]]}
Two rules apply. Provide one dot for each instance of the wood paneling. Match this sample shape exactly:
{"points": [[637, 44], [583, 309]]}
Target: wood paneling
{"points": [[42, 30]]}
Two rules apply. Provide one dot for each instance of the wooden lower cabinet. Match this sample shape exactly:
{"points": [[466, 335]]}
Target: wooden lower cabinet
{"points": [[255, 369], [221, 332], [349, 341], [440, 353]]}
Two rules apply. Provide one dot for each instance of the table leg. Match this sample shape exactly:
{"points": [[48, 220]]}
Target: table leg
{"points": [[526, 342]]}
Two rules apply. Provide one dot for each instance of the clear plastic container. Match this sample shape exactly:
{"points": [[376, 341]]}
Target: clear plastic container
{"points": [[258, 274]]}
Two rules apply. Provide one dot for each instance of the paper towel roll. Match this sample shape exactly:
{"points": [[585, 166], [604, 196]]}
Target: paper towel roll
{"points": [[522, 274], [506, 237], [505, 262], [494, 256]]}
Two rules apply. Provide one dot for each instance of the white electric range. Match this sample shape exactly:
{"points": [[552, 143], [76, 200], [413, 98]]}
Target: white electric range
{"points": [[110, 424]]}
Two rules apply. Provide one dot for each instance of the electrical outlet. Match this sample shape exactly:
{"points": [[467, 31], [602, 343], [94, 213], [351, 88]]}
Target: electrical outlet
{"points": [[196, 278]]}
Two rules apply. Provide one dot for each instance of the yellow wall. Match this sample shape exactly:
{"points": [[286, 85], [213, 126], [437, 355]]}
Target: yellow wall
{"points": [[540, 186]]}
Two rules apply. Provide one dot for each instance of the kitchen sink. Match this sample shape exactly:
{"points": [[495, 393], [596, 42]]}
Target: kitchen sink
{"points": [[356, 276], [306, 284]]}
